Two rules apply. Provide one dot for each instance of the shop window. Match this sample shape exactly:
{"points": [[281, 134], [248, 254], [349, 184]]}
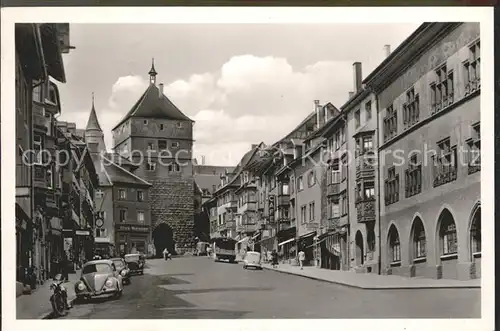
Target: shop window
{"points": [[448, 234], [419, 240]]}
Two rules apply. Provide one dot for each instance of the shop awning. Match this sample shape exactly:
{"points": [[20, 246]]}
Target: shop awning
{"points": [[312, 233], [242, 240], [286, 241], [256, 235], [317, 243]]}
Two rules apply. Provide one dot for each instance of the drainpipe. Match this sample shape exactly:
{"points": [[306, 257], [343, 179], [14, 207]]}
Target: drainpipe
{"points": [[347, 196], [378, 191]]}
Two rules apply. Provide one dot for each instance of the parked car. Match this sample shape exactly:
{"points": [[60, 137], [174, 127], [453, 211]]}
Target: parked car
{"points": [[99, 279], [252, 259], [122, 268], [135, 263]]}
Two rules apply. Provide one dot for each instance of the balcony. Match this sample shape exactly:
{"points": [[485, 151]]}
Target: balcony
{"points": [[39, 176], [332, 222], [247, 227], [333, 189], [248, 206], [445, 177], [283, 200], [363, 167], [365, 210]]}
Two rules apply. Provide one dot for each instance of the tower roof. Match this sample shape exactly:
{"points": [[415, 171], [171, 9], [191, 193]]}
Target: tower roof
{"points": [[93, 122], [152, 72], [154, 104]]}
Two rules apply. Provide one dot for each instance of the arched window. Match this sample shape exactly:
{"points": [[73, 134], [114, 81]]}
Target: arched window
{"points": [[394, 245], [419, 240], [475, 233], [448, 233]]}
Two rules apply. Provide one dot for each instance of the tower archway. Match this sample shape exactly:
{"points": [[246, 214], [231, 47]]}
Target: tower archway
{"points": [[163, 237]]}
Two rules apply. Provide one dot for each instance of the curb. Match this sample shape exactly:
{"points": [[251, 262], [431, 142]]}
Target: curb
{"points": [[438, 287], [50, 315]]}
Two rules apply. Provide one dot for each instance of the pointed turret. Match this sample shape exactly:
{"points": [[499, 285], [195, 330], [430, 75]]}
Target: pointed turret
{"points": [[93, 131], [152, 73]]}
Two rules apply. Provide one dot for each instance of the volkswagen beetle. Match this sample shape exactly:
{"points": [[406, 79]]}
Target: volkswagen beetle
{"points": [[99, 279], [135, 263]]}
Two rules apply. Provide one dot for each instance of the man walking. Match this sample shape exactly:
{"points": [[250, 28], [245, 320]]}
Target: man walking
{"points": [[302, 257]]}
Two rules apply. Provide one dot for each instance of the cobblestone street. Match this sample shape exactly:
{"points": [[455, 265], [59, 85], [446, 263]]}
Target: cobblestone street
{"points": [[197, 287]]}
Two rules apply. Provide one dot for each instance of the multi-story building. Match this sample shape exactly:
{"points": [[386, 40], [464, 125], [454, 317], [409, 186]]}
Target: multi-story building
{"points": [[207, 178], [158, 137], [428, 114], [39, 49], [79, 181], [123, 222], [358, 169]]}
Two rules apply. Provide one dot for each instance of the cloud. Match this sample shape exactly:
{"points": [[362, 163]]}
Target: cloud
{"points": [[249, 100]]}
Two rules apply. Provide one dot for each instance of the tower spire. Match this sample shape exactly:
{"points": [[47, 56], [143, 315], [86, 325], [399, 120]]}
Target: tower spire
{"points": [[152, 73], [93, 101], [93, 122]]}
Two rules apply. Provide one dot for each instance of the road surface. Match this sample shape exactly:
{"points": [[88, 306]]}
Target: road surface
{"points": [[197, 287]]}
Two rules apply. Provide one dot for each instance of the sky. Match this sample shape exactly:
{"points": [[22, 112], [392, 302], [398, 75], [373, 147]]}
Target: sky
{"points": [[242, 84]]}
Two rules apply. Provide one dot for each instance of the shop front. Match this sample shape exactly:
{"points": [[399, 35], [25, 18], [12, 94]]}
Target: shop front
{"points": [[104, 247], [306, 244], [287, 248], [55, 245], [333, 250], [132, 238], [24, 243]]}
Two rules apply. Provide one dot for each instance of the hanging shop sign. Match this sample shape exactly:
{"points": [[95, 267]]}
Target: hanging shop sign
{"points": [[271, 208], [99, 222]]}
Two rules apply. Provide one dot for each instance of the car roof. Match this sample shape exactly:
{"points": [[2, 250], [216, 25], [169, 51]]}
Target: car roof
{"points": [[133, 254], [108, 262], [253, 253]]}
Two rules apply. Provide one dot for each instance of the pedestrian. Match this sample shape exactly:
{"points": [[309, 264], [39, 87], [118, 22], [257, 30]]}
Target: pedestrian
{"points": [[64, 267], [165, 254], [274, 258], [302, 257], [209, 251]]}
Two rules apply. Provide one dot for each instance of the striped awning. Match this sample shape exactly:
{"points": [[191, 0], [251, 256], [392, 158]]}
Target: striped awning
{"points": [[286, 241]]}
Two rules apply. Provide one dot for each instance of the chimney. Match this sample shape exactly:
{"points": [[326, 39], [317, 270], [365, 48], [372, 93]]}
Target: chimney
{"points": [[160, 88], [387, 50], [351, 94], [357, 76], [317, 108], [203, 160]]}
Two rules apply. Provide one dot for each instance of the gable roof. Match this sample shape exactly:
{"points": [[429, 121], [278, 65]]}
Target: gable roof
{"points": [[154, 104], [111, 173]]}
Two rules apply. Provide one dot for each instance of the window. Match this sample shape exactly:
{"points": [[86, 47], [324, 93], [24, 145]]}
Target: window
{"points": [[474, 152], [123, 215], [344, 169], [100, 233], [311, 212], [174, 167], [334, 208], [161, 127], [367, 144], [472, 69], [145, 122], [151, 146], [445, 167], [368, 110], [369, 190], [442, 90], [344, 209], [150, 166], [390, 123], [334, 173], [413, 177], [122, 194], [140, 217], [357, 118], [394, 245], [475, 233], [140, 195], [38, 93], [411, 109], [38, 148], [391, 187], [303, 214], [292, 185], [300, 183], [50, 177], [162, 145], [311, 178], [284, 189], [449, 237], [175, 144], [419, 240], [179, 125]]}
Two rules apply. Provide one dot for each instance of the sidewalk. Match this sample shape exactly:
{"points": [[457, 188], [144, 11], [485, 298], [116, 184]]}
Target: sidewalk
{"points": [[372, 281], [37, 304]]}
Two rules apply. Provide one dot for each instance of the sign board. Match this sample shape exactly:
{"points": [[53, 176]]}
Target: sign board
{"points": [[132, 228], [271, 208], [82, 232]]}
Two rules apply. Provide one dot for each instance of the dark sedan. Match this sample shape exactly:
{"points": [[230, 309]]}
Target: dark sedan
{"points": [[122, 268], [135, 263]]}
